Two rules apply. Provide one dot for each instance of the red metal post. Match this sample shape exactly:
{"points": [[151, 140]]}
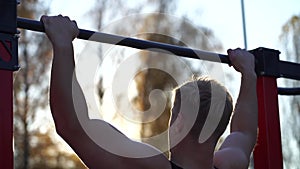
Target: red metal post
{"points": [[8, 63], [268, 152], [6, 119]]}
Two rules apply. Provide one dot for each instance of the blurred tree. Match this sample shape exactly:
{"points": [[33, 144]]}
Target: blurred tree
{"points": [[101, 14], [290, 38], [31, 146], [148, 80], [46, 153]]}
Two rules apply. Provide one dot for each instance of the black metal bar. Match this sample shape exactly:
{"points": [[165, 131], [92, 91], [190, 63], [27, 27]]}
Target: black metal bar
{"points": [[289, 70], [10, 44], [132, 42], [269, 65], [8, 15], [8, 37], [289, 91], [267, 61]]}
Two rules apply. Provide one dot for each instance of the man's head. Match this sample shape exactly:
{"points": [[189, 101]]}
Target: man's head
{"points": [[209, 101]]}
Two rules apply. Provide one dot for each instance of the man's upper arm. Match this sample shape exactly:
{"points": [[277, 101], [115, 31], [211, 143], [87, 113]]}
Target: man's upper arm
{"points": [[96, 142], [109, 148], [234, 152]]}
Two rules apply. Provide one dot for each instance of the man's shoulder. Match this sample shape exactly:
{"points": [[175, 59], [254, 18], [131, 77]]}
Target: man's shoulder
{"points": [[230, 158]]}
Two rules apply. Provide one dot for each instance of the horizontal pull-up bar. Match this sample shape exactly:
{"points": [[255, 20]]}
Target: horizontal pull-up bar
{"points": [[269, 65], [132, 42], [289, 91]]}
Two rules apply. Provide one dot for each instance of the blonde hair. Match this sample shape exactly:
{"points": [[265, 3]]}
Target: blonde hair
{"points": [[210, 99]]}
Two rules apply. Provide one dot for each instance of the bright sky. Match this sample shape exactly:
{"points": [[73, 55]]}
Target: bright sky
{"points": [[264, 18]]}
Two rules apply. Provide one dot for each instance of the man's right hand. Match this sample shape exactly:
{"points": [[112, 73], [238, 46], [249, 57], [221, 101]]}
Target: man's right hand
{"points": [[60, 29], [242, 61]]}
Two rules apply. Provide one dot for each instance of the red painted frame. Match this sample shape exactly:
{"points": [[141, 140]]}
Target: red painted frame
{"points": [[6, 119], [268, 151]]}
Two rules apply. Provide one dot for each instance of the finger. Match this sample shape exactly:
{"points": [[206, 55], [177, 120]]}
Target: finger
{"points": [[229, 51], [44, 19], [75, 25], [66, 17], [74, 22]]}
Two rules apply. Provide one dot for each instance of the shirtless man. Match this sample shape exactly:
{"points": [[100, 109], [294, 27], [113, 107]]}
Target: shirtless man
{"points": [[190, 152]]}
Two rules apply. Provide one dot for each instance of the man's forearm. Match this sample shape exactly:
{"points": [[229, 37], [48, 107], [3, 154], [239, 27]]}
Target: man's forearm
{"points": [[245, 113], [61, 100]]}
